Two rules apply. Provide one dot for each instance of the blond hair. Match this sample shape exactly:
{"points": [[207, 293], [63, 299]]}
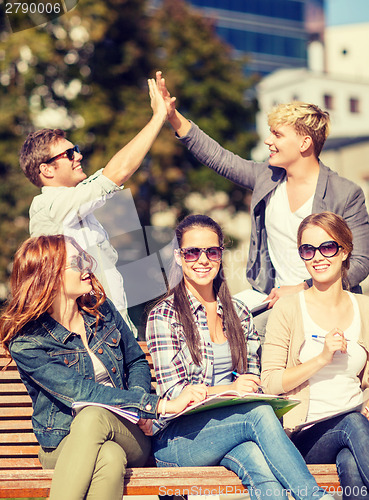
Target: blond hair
{"points": [[306, 119]]}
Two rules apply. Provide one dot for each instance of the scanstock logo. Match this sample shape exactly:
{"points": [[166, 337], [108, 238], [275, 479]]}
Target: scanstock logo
{"points": [[143, 255], [24, 14]]}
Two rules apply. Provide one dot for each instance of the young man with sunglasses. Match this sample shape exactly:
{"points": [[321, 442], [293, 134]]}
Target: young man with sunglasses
{"points": [[292, 184], [68, 198]]}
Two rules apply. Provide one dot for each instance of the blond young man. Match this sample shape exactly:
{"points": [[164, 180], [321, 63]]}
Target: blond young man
{"points": [[292, 184], [68, 198]]}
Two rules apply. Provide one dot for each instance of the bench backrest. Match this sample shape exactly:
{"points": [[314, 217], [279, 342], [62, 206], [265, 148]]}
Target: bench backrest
{"points": [[18, 444]]}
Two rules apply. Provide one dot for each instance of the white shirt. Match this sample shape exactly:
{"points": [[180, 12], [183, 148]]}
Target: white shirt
{"points": [[69, 211], [281, 225], [335, 387]]}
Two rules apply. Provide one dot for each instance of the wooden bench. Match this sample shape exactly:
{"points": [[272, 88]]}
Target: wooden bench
{"points": [[21, 474]]}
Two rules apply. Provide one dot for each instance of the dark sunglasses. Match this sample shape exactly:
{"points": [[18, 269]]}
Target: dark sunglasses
{"points": [[327, 249], [193, 254], [82, 262], [69, 153]]}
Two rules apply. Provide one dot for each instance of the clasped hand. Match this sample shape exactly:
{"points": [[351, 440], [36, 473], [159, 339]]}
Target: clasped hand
{"points": [[334, 341]]}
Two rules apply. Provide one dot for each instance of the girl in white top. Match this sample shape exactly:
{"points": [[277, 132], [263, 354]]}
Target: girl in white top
{"points": [[328, 369]]}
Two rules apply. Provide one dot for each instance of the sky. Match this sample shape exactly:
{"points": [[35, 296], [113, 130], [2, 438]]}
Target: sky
{"points": [[346, 12]]}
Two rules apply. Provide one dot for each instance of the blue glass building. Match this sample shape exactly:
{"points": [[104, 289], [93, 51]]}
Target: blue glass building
{"points": [[273, 33]]}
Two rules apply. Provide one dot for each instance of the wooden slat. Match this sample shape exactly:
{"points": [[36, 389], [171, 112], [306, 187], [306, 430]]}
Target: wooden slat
{"points": [[15, 400], [154, 481], [4, 362], [20, 463], [13, 387], [9, 375], [25, 489], [16, 450], [16, 424], [17, 437], [16, 412]]}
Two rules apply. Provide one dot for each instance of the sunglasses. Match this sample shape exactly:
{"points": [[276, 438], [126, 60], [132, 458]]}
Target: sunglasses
{"points": [[82, 262], [327, 249], [69, 153], [193, 254]]}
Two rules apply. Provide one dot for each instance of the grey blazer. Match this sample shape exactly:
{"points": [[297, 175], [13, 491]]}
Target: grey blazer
{"points": [[333, 193]]}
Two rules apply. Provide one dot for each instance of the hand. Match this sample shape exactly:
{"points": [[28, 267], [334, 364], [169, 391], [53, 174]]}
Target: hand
{"points": [[334, 341], [145, 424], [365, 411], [246, 383], [169, 101], [277, 293], [158, 104], [190, 394]]}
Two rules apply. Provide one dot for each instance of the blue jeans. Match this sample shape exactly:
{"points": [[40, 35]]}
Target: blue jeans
{"points": [[343, 440], [247, 439]]}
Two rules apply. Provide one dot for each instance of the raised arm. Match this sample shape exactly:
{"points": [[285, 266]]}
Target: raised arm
{"points": [[129, 158], [179, 123]]}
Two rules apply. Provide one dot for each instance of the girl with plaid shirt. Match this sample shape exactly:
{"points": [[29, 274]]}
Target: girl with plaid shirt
{"points": [[198, 337]]}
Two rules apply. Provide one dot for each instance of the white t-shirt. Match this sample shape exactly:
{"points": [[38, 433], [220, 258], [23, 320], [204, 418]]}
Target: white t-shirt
{"points": [[281, 225], [336, 387], [70, 211]]}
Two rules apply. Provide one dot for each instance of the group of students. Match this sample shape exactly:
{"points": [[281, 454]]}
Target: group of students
{"points": [[71, 344]]}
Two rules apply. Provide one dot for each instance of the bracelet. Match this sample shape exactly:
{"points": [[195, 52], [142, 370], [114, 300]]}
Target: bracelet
{"points": [[164, 406]]}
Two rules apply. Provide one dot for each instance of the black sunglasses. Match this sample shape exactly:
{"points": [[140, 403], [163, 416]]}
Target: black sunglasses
{"points": [[327, 249], [69, 153], [193, 254]]}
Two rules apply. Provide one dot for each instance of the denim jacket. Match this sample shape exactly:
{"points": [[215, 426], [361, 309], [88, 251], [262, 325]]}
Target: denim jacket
{"points": [[57, 370]]}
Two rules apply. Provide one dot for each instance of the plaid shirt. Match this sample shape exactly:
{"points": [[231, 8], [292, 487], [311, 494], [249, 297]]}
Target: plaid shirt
{"points": [[171, 356]]}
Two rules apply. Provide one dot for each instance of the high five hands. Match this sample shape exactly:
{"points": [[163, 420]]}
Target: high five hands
{"points": [[158, 104], [169, 101]]}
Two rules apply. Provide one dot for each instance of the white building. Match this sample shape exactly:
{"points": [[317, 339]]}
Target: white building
{"points": [[346, 99], [346, 50], [337, 81]]}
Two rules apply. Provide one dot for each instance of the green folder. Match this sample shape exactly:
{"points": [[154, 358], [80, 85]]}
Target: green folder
{"points": [[280, 404]]}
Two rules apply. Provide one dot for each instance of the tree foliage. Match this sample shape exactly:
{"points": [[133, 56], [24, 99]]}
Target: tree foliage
{"points": [[86, 72]]}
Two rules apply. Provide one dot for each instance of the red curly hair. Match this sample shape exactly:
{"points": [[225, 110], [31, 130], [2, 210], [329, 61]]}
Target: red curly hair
{"points": [[37, 275]]}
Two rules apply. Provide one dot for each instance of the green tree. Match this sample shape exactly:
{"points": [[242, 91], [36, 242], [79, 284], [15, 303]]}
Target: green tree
{"points": [[212, 90], [86, 72]]}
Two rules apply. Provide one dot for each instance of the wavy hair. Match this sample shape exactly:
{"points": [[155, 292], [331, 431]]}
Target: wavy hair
{"points": [[337, 229], [36, 277], [231, 321]]}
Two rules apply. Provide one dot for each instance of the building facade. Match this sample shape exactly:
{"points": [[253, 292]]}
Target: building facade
{"points": [[273, 34]]}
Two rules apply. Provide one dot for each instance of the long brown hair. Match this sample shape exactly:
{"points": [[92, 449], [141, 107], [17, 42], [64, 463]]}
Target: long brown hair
{"points": [[232, 323], [337, 229], [36, 277]]}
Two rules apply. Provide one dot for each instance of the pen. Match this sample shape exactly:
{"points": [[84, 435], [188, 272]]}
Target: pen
{"points": [[238, 375], [318, 337], [321, 337]]}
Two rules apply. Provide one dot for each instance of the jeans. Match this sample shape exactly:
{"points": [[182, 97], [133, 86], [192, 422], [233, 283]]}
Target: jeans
{"points": [[247, 439], [90, 462], [343, 440]]}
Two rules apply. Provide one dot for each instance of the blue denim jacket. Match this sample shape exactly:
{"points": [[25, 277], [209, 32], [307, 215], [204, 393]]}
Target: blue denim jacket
{"points": [[57, 370]]}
